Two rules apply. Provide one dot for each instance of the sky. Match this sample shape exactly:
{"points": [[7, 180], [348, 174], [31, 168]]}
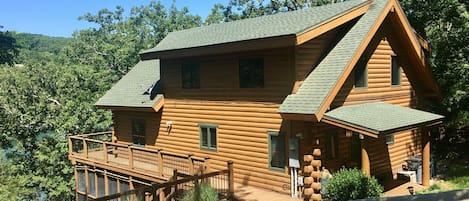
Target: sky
{"points": [[60, 17]]}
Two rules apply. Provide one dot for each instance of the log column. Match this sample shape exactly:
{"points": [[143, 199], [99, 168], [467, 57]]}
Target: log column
{"points": [[425, 157], [364, 156]]}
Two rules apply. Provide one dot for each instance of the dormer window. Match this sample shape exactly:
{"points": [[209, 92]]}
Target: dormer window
{"points": [[251, 73], [361, 75], [395, 72], [190, 76]]}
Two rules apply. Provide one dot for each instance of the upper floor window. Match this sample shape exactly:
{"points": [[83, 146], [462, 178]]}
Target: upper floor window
{"points": [[190, 76], [251, 73], [208, 136], [138, 132], [361, 75], [395, 72]]}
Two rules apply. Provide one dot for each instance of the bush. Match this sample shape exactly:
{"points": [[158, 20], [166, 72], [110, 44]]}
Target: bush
{"points": [[202, 192], [352, 184]]}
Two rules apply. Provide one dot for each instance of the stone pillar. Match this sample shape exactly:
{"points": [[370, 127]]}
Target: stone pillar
{"points": [[365, 158], [425, 157]]}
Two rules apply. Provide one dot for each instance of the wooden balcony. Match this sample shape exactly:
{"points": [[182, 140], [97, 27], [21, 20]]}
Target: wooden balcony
{"points": [[97, 149]]}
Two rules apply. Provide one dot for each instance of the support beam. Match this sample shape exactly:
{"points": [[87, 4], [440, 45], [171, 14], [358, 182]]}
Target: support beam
{"points": [[365, 158], [425, 156]]}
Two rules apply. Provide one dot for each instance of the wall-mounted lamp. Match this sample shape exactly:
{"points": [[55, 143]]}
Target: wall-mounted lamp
{"points": [[299, 135], [361, 136], [169, 125]]}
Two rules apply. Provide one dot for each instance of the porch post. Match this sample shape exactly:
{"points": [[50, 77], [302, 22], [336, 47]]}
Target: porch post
{"points": [[365, 159], [425, 156]]}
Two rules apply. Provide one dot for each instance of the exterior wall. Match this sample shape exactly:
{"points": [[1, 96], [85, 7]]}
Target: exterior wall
{"points": [[384, 158], [243, 115], [308, 54]]}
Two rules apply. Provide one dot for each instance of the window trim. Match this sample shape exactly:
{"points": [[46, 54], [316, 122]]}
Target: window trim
{"points": [[209, 143], [194, 81], [395, 64], [256, 59], [276, 133]]}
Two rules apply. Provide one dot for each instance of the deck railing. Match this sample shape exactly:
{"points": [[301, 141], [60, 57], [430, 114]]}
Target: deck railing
{"points": [[98, 148], [221, 181]]}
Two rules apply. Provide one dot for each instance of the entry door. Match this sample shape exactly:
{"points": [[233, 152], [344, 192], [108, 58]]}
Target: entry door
{"points": [[356, 149]]}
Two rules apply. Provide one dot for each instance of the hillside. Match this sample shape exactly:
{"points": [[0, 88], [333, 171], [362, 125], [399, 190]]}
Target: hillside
{"points": [[37, 47]]}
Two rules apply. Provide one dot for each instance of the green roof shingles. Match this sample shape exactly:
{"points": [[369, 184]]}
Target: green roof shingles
{"points": [[380, 117], [282, 24], [320, 82], [129, 91]]}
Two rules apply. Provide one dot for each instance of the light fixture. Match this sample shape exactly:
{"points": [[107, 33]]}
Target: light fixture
{"points": [[361, 136], [348, 133]]}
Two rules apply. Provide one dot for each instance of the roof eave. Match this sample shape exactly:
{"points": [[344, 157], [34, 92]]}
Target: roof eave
{"points": [[237, 46]]}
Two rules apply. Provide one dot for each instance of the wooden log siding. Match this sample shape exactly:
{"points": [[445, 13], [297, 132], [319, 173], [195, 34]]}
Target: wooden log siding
{"points": [[384, 158], [243, 115]]}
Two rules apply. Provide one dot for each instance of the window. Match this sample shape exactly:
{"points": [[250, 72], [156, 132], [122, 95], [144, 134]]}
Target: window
{"points": [[332, 147], [138, 132], [208, 136], [101, 187], [251, 73], [361, 78], [91, 184], [81, 181], [395, 72], [190, 76], [390, 139], [277, 157]]}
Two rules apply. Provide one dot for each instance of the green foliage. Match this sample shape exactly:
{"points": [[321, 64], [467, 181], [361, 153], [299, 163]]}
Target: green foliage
{"points": [[352, 184], [116, 42], [39, 106], [8, 48], [242, 9], [36, 47], [202, 192]]}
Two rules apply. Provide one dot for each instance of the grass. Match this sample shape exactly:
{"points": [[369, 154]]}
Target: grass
{"points": [[456, 177]]}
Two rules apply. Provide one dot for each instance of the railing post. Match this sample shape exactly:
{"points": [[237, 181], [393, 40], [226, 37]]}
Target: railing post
{"points": [[230, 180], [159, 159], [131, 156], [105, 152], [175, 178], [85, 147], [70, 145], [206, 165], [190, 165]]}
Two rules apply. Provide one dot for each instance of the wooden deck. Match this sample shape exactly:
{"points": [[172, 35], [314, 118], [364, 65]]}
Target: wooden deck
{"points": [[148, 163]]}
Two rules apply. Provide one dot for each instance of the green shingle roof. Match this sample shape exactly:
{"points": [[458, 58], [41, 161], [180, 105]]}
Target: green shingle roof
{"points": [[320, 82], [380, 117], [130, 90], [282, 24]]}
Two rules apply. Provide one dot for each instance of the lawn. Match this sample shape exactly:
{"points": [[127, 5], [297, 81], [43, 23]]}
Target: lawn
{"points": [[456, 177]]}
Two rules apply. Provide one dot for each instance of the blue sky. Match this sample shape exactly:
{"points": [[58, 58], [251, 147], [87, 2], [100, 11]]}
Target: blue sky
{"points": [[60, 17]]}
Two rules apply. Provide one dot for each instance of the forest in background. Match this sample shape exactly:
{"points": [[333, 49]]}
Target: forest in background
{"points": [[51, 90]]}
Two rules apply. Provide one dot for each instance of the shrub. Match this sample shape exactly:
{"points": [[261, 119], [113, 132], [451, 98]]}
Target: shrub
{"points": [[202, 192], [352, 184]]}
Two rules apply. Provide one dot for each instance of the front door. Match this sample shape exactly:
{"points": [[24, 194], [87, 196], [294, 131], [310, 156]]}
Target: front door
{"points": [[355, 151]]}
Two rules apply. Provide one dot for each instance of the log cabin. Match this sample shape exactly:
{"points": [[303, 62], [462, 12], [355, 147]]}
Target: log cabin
{"points": [[349, 79]]}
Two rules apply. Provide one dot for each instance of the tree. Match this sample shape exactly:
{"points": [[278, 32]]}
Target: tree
{"points": [[39, 106], [445, 25], [117, 41], [8, 48]]}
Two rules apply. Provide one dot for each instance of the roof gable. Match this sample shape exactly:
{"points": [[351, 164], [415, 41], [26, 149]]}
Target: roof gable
{"points": [[318, 87], [282, 24]]}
